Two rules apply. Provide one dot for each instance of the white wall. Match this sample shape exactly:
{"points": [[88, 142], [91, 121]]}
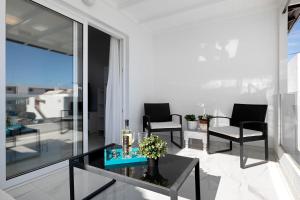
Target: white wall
{"points": [[140, 55], [219, 62]]}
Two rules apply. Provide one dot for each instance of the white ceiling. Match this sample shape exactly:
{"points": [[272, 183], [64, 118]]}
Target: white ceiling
{"points": [[162, 14], [38, 26], [31, 24]]}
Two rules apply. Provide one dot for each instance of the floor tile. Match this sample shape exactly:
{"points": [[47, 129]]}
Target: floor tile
{"points": [[220, 176]]}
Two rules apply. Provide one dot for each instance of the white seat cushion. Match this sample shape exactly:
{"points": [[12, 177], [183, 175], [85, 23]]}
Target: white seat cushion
{"points": [[162, 125], [233, 131]]}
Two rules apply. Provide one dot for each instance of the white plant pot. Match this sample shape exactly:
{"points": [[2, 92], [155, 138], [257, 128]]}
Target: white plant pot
{"points": [[192, 125]]}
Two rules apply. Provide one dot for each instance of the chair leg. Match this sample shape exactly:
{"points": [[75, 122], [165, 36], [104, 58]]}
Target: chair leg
{"points": [[181, 139], [243, 161], [242, 155], [61, 128], [180, 144], [266, 149], [208, 144], [230, 145]]}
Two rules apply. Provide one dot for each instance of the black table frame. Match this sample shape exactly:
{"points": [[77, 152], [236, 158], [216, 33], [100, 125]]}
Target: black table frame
{"points": [[172, 191]]}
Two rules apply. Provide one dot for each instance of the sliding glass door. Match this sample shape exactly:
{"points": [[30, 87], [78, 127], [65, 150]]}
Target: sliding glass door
{"points": [[290, 88], [44, 104]]}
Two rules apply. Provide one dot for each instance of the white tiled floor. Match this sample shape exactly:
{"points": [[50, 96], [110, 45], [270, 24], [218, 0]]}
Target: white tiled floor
{"points": [[221, 179]]}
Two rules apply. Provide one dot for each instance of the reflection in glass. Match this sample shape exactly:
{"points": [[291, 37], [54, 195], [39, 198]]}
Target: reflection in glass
{"points": [[43, 87], [289, 117], [152, 174], [290, 101]]}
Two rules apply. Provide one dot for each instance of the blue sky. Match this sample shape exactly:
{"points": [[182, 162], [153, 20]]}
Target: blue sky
{"points": [[294, 41], [28, 65]]}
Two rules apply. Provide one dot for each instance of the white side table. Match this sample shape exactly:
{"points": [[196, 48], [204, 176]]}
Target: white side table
{"points": [[196, 134]]}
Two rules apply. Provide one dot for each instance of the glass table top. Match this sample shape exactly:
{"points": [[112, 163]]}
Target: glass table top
{"points": [[169, 168]]}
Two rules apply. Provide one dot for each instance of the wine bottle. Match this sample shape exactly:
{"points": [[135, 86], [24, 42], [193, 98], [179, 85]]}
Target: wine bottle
{"points": [[127, 139]]}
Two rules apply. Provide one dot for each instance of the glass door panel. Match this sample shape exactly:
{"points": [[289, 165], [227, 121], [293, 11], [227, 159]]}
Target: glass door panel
{"points": [[44, 104], [289, 117], [290, 88]]}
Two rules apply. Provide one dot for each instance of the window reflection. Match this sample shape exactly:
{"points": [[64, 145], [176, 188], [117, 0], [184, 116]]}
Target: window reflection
{"points": [[290, 101], [43, 104]]}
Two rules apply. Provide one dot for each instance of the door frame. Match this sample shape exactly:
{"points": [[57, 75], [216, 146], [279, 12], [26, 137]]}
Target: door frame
{"points": [[289, 167], [124, 70], [86, 19], [124, 58]]}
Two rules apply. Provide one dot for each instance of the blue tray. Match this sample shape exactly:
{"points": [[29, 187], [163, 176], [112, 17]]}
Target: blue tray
{"points": [[109, 158]]}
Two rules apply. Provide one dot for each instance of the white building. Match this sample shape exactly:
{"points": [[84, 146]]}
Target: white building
{"points": [[51, 104]]}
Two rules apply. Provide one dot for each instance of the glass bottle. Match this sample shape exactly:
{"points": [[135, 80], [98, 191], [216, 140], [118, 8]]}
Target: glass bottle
{"points": [[127, 139]]}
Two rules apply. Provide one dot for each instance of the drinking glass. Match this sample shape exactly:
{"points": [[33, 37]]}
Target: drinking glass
{"points": [[141, 136]]}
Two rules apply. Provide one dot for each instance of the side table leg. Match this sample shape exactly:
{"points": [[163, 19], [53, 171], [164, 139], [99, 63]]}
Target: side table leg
{"points": [[186, 142], [204, 141]]}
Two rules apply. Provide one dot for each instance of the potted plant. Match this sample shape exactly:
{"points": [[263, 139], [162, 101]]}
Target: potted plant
{"points": [[191, 121], [203, 120], [153, 148]]}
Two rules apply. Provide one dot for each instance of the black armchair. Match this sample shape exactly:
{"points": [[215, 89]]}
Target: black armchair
{"points": [[247, 124], [158, 118]]}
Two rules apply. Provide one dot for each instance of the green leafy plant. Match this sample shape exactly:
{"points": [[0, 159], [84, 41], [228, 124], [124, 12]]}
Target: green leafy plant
{"points": [[190, 117], [153, 147], [204, 117]]}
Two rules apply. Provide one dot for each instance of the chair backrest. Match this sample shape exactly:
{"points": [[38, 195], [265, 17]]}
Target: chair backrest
{"points": [[248, 112], [158, 112]]}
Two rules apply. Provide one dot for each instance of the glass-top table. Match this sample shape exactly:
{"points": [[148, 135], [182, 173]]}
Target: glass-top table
{"points": [[172, 172]]}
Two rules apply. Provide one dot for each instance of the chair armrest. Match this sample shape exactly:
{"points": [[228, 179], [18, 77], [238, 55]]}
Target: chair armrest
{"points": [[180, 117], [147, 117], [263, 124], [146, 121], [253, 122]]}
